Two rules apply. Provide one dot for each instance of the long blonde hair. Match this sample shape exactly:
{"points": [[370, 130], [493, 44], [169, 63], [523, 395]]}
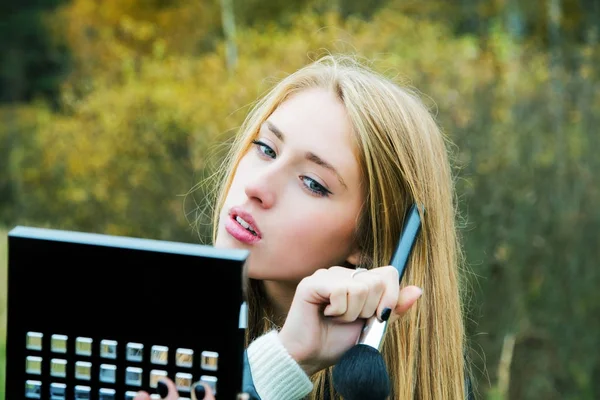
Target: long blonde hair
{"points": [[403, 157]]}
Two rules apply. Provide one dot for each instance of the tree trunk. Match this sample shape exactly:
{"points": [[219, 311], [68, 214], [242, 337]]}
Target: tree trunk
{"points": [[557, 95], [228, 20]]}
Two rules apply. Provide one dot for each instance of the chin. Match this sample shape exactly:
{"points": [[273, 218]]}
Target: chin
{"points": [[253, 273], [269, 275]]}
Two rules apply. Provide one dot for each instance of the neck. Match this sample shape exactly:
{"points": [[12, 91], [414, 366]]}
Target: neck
{"points": [[280, 295]]}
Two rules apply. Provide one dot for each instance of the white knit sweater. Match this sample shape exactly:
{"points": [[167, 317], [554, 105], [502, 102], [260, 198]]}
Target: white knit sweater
{"points": [[276, 375]]}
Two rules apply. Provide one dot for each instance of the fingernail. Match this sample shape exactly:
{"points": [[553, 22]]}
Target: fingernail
{"points": [[385, 314], [162, 389], [199, 391]]}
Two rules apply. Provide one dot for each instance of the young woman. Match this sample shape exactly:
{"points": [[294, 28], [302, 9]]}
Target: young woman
{"points": [[317, 185]]}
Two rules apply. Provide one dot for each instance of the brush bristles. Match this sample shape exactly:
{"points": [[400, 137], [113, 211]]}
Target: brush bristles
{"points": [[361, 374]]}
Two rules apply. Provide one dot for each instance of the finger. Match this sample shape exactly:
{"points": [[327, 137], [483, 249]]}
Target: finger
{"points": [[201, 391], [338, 301], [142, 396], [408, 297], [376, 288], [357, 293], [321, 289], [166, 389], [391, 292]]}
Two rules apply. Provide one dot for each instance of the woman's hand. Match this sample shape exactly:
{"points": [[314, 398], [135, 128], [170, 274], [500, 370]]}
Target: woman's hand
{"points": [[329, 307], [168, 391]]}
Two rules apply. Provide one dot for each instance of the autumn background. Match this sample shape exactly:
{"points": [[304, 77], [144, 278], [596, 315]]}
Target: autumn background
{"points": [[112, 110]]}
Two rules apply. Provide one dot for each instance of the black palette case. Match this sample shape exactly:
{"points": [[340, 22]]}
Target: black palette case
{"points": [[101, 317]]}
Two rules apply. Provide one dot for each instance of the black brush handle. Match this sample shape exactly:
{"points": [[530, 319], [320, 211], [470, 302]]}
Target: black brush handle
{"points": [[373, 331], [407, 241]]}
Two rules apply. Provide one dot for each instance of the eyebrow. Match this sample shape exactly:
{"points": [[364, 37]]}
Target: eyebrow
{"points": [[310, 156]]}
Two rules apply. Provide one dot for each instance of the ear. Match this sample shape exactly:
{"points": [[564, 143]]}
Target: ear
{"points": [[354, 257]]}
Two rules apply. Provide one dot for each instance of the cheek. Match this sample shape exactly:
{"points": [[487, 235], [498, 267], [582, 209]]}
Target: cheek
{"points": [[235, 195], [243, 173], [321, 241]]}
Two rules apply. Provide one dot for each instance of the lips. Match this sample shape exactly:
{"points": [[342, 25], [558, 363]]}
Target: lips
{"points": [[242, 226]]}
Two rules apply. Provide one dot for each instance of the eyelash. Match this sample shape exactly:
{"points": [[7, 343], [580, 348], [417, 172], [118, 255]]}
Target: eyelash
{"points": [[320, 191]]}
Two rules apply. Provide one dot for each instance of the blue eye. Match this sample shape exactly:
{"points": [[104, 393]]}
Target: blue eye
{"points": [[315, 186], [316, 189], [264, 149]]}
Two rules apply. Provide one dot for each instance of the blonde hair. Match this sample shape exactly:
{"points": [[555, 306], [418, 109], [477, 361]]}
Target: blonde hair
{"points": [[403, 159]]}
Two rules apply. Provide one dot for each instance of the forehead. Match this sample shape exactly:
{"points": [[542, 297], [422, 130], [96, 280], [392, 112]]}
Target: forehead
{"points": [[316, 120]]}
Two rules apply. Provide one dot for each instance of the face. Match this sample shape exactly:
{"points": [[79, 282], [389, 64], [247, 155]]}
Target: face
{"points": [[295, 198]]}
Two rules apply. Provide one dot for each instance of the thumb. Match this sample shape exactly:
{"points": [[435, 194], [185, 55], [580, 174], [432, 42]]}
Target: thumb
{"points": [[201, 391], [408, 297]]}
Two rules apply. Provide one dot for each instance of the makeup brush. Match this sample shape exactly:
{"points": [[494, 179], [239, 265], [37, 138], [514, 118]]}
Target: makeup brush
{"points": [[361, 373]]}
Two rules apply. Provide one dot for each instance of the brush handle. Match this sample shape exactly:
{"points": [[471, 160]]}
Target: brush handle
{"points": [[374, 329], [411, 229], [372, 333]]}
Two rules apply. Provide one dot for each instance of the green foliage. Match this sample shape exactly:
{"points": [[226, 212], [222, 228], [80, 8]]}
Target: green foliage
{"points": [[149, 106], [32, 63]]}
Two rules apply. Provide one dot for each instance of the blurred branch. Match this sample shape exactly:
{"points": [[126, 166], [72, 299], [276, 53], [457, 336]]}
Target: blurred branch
{"points": [[557, 93], [228, 18], [504, 365]]}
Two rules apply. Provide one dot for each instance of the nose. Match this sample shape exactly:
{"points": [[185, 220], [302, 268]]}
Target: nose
{"points": [[261, 189]]}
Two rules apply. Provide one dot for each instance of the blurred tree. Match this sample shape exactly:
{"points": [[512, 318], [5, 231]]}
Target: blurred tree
{"points": [[110, 39], [32, 62], [149, 107]]}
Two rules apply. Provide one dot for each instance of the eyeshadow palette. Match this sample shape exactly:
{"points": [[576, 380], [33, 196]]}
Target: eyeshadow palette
{"points": [[102, 317]]}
